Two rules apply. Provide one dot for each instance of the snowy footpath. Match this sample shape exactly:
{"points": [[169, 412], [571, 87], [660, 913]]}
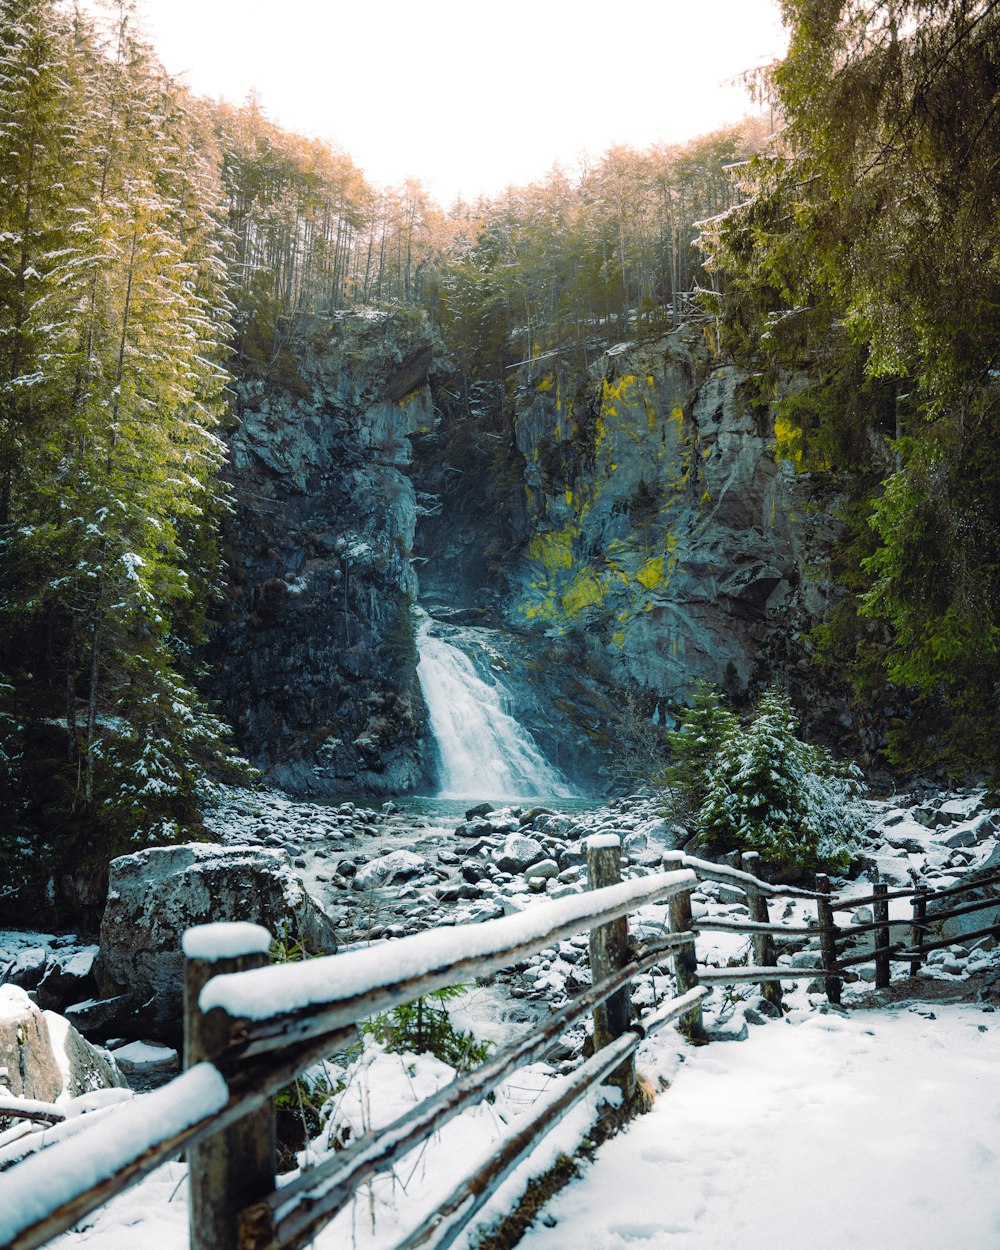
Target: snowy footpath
{"points": [[879, 1131]]}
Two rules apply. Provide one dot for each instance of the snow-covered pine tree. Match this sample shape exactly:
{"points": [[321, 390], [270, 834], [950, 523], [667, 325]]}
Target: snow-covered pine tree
{"points": [[700, 732], [112, 539], [768, 791], [151, 399]]}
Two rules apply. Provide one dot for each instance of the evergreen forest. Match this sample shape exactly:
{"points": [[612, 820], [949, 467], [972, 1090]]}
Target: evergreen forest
{"points": [[842, 247]]}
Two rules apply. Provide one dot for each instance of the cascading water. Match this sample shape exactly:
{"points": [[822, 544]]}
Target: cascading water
{"points": [[484, 752]]}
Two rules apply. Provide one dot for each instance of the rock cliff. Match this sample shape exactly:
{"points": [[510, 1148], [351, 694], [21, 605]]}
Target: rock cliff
{"points": [[623, 522], [659, 530], [314, 663], [671, 526]]}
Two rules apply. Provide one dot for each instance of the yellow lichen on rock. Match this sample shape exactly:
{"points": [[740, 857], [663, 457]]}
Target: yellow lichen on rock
{"points": [[586, 590], [788, 442], [553, 549], [652, 573]]}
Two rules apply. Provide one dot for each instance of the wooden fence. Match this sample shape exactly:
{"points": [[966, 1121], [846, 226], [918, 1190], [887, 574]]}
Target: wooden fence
{"points": [[925, 916], [251, 1027]]}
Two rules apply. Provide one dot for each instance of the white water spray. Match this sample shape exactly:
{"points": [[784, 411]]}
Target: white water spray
{"points": [[485, 753]]}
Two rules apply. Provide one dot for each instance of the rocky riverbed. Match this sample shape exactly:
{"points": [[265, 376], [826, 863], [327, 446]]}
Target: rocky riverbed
{"points": [[380, 873]]}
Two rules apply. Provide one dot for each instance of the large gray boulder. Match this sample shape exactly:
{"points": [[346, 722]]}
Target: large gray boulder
{"points": [[518, 853], [154, 895]]}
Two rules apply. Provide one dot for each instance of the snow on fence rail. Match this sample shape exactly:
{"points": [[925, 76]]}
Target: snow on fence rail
{"points": [[250, 1028]]}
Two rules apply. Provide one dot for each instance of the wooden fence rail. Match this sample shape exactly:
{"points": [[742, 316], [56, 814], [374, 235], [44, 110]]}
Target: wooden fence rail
{"points": [[251, 1027], [922, 920]]}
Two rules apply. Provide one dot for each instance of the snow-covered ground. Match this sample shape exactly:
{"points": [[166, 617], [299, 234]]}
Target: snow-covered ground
{"points": [[878, 1130]]}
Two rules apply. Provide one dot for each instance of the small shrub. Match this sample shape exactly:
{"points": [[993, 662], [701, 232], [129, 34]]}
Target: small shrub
{"points": [[424, 1027]]}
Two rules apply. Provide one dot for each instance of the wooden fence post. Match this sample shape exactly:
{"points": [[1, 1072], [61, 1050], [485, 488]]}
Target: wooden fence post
{"points": [[608, 953], [686, 959], [880, 910], [763, 943], [236, 1167], [918, 934], [827, 936]]}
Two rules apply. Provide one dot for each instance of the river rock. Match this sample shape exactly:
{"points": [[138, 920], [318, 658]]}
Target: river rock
{"points": [[396, 866], [154, 895], [979, 827], [68, 978], [543, 870], [518, 853], [962, 836], [147, 1059], [27, 967]]}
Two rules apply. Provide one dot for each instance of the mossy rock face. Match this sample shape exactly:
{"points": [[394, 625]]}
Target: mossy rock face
{"points": [[671, 529]]}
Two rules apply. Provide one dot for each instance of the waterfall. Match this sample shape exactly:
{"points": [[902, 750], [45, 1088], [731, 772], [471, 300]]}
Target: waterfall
{"points": [[484, 752]]}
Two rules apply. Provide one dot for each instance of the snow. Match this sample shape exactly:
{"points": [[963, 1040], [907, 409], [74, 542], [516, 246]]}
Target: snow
{"points": [[891, 1119], [887, 1119], [138, 1055], [603, 842], [58, 1027], [265, 992], [225, 940], [47, 1180], [14, 1002], [891, 1115], [25, 1105]]}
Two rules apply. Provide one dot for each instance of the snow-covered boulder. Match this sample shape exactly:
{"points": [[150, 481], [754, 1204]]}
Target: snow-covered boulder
{"points": [[154, 895], [68, 978], [396, 866], [518, 852], [26, 968], [543, 870], [44, 1057]]}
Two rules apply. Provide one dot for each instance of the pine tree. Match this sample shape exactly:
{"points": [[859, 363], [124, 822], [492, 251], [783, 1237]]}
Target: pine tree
{"points": [[117, 540], [865, 257], [701, 730], [768, 791]]}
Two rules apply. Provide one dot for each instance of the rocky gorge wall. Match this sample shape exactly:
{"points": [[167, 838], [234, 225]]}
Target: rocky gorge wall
{"points": [[313, 662], [626, 522], [672, 532]]}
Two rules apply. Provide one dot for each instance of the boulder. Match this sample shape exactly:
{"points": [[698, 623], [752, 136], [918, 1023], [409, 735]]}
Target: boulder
{"points": [[979, 829], [44, 1057], [635, 843], [99, 1018], [154, 895], [396, 866], [68, 978], [27, 967], [543, 870], [147, 1064], [518, 853], [962, 836]]}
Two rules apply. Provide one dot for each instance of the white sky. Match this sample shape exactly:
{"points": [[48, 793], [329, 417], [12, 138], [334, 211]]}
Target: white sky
{"points": [[471, 96]]}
